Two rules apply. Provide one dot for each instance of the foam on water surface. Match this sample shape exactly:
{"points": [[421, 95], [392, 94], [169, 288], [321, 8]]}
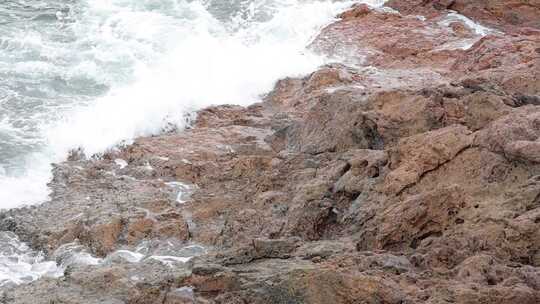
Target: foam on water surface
{"points": [[182, 191], [121, 163], [19, 264]]}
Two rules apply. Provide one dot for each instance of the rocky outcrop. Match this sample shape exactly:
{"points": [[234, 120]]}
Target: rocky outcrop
{"points": [[409, 174], [501, 13]]}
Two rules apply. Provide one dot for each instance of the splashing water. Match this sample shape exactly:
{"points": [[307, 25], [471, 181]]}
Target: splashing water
{"points": [[19, 264]]}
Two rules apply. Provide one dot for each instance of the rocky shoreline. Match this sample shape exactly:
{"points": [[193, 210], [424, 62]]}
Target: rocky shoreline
{"points": [[408, 174]]}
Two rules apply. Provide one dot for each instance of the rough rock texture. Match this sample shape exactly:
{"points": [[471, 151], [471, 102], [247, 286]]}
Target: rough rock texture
{"points": [[408, 174], [501, 13]]}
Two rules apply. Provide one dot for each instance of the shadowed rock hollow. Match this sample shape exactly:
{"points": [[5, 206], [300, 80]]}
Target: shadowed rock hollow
{"points": [[410, 173]]}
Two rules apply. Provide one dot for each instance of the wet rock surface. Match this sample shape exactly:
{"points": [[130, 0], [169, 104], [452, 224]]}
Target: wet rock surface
{"points": [[408, 174], [508, 14]]}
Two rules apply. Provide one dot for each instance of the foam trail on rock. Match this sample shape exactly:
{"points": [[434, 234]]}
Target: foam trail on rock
{"points": [[479, 30], [19, 264]]}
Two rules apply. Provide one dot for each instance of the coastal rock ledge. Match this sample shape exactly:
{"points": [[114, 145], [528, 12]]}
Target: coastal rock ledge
{"points": [[408, 174]]}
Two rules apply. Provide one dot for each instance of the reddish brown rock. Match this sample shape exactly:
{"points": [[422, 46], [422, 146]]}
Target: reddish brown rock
{"points": [[409, 42], [103, 238], [512, 62], [501, 13], [419, 217], [422, 153]]}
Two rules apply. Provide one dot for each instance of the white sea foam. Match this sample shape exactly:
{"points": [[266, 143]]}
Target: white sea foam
{"points": [[182, 191], [28, 187], [169, 260], [121, 163], [126, 255], [206, 65], [478, 30], [19, 264]]}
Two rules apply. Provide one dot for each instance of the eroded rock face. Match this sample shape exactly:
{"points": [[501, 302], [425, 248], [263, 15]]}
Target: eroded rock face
{"points": [[409, 174]]}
